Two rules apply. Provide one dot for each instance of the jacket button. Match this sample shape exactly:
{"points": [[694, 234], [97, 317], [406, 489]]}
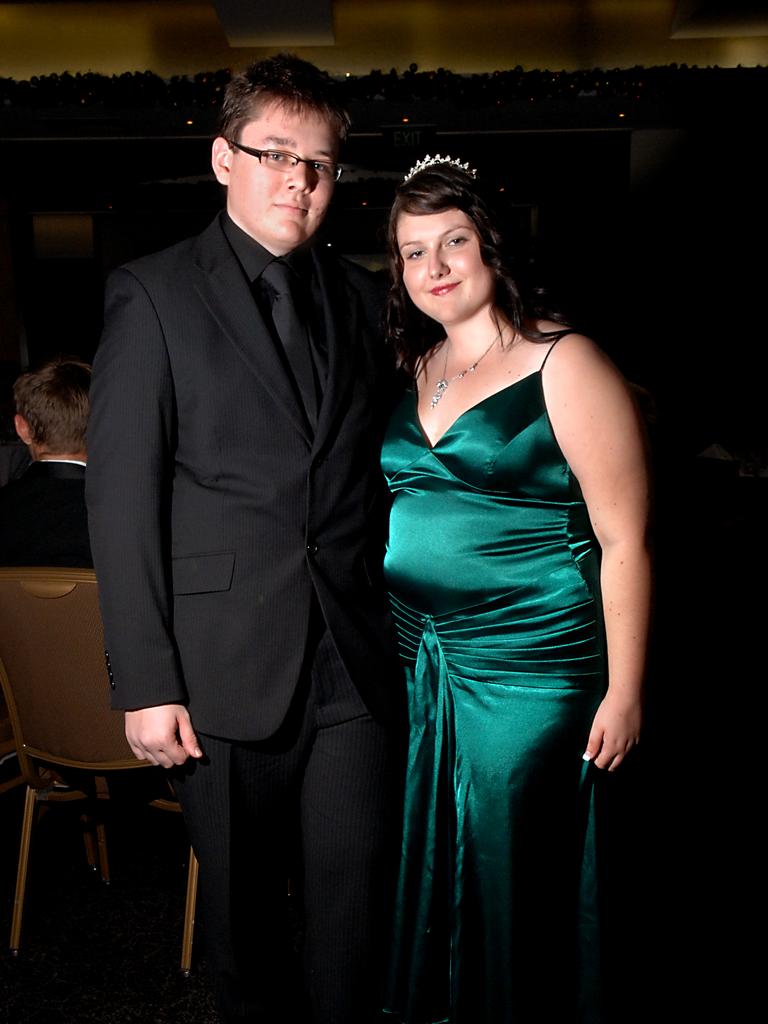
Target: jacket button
{"points": [[311, 549]]}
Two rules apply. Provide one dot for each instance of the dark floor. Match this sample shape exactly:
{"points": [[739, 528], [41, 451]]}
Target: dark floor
{"points": [[110, 954], [96, 953]]}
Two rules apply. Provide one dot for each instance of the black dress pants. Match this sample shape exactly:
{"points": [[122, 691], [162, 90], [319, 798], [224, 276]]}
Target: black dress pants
{"points": [[315, 801]]}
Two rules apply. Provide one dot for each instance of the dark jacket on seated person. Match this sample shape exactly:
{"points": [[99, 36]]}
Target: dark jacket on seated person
{"points": [[43, 518]]}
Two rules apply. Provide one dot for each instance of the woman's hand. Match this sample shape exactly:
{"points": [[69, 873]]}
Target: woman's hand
{"points": [[615, 731]]}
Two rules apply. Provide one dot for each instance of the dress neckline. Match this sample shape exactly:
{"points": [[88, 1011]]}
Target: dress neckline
{"points": [[429, 444]]}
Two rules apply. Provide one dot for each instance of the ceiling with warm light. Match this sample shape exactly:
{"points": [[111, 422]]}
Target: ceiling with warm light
{"points": [[184, 36]]}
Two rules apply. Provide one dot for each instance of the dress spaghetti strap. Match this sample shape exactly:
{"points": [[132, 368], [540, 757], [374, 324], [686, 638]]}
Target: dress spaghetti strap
{"points": [[560, 337]]}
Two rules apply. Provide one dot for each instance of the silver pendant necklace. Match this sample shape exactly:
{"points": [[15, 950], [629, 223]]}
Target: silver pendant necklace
{"points": [[444, 383]]}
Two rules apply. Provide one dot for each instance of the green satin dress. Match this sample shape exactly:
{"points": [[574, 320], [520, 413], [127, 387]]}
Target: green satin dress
{"points": [[493, 573]]}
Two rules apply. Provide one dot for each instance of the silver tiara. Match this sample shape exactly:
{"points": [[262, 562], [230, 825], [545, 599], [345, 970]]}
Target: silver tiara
{"points": [[430, 161]]}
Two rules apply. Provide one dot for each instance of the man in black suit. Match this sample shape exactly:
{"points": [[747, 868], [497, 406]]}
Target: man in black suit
{"points": [[43, 519], [238, 404]]}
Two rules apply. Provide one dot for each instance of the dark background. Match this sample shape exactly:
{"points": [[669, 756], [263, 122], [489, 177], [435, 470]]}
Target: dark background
{"points": [[650, 228]]}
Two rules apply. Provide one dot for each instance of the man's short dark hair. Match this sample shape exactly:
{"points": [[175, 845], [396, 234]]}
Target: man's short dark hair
{"points": [[287, 80], [54, 402]]}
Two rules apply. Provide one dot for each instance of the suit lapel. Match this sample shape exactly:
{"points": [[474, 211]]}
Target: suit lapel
{"points": [[223, 288], [342, 325]]}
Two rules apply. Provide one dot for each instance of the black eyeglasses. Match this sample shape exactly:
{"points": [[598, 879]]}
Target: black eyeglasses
{"points": [[278, 160]]}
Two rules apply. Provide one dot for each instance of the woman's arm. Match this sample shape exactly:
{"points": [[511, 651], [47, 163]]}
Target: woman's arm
{"points": [[598, 428]]}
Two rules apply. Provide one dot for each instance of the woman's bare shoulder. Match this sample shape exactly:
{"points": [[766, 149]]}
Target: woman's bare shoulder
{"points": [[575, 354]]}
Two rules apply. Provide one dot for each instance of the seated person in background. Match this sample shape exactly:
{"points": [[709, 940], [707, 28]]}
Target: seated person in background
{"points": [[43, 518]]}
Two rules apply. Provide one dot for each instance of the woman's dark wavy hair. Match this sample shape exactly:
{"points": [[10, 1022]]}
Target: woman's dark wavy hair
{"points": [[436, 189]]}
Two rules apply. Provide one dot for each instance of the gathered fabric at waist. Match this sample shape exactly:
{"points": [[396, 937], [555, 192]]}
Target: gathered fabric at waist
{"points": [[515, 638]]}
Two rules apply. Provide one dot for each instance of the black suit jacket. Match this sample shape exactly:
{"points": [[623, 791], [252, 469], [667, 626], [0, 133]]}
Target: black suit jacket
{"points": [[43, 519], [215, 514]]}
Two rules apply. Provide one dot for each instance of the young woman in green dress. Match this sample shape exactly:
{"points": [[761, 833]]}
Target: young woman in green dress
{"points": [[519, 576]]}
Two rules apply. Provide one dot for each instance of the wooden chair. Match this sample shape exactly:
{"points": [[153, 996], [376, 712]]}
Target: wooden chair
{"points": [[7, 748], [55, 686]]}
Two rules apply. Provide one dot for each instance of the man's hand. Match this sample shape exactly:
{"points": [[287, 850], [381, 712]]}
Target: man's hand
{"points": [[162, 735]]}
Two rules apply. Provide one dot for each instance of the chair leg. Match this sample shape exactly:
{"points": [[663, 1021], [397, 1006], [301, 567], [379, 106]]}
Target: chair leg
{"points": [[189, 914], [102, 793], [101, 836], [21, 875], [88, 842]]}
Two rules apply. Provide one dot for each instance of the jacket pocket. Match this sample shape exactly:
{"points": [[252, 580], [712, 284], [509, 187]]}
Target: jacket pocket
{"points": [[203, 574]]}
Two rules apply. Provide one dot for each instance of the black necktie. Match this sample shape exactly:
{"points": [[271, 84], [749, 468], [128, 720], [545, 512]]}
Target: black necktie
{"points": [[293, 333]]}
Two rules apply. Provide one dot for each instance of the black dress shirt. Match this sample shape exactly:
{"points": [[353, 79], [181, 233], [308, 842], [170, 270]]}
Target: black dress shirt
{"points": [[254, 259]]}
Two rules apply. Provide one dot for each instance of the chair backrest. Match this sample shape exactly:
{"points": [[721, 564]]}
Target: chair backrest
{"points": [[53, 673], [7, 743]]}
